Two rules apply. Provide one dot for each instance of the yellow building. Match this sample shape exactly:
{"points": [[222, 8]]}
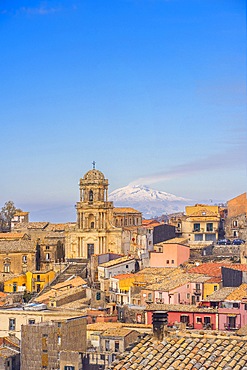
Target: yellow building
{"points": [[38, 280], [30, 281], [202, 223], [15, 284], [99, 226], [211, 286]]}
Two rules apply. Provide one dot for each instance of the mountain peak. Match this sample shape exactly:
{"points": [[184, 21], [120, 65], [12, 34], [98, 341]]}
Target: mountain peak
{"points": [[149, 201]]}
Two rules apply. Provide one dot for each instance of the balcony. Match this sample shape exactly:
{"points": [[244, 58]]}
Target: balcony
{"points": [[114, 290], [159, 300], [197, 291], [230, 327]]}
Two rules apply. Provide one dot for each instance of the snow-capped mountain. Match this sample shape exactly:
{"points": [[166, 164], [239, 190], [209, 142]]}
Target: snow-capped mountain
{"points": [[149, 201]]}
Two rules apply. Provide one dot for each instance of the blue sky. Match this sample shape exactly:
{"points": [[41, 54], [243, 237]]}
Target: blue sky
{"points": [[152, 90]]}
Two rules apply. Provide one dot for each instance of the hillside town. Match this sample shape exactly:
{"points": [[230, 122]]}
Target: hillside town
{"points": [[116, 291]]}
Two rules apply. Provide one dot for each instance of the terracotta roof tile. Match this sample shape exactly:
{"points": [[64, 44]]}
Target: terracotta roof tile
{"points": [[125, 210], [194, 352], [116, 261]]}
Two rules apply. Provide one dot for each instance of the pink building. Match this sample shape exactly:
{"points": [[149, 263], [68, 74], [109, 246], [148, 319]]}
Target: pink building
{"points": [[169, 254], [194, 317], [233, 311], [178, 289]]}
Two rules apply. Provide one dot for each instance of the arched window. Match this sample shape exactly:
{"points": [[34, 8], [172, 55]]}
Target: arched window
{"points": [[91, 196]]}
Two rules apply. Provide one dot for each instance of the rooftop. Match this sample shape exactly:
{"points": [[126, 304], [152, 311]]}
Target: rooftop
{"points": [[180, 308], [238, 293], [117, 261], [185, 351], [220, 295], [116, 332], [125, 210]]}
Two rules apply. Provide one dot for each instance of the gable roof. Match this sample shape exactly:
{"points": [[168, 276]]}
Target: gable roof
{"points": [[125, 210], [214, 269], [238, 293], [13, 236], [185, 351], [117, 261], [220, 295]]}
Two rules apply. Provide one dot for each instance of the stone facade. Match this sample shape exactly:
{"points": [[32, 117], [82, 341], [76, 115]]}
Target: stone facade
{"points": [[99, 226], [13, 319], [202, 223], [48, 340], [236, 221], [48, 241], [17, 255]]}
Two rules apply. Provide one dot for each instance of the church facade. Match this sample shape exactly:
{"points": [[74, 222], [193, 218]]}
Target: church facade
{"points": [[99, 226]]}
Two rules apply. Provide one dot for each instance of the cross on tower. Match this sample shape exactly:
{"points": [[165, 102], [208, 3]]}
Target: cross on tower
{"points": [[94, 163]]}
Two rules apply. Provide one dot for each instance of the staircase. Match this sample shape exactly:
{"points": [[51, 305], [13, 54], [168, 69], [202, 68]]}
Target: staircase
{"points": [[70, 271]]}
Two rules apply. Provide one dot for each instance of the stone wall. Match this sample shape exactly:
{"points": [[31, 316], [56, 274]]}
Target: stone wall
{"points": [[237, 205]]}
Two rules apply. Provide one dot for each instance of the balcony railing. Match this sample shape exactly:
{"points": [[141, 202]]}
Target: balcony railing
{"points": [[231, 327], [197, 291], [114, 290], [159, 300]]}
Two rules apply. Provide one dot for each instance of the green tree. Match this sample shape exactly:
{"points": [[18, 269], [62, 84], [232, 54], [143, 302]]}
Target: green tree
{"points": [[6, 215]]}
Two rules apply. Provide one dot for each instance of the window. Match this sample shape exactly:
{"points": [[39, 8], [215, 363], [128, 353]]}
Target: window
{"points": [[47, 247], [127, 266], [167, 262], [173, 262], [116, 346], [90, 196], [188, 295], [184, 319], [6, 267], [209, 226], [31, 321], [38, 277], [207, 320], [47, 256], [92, 225], [215, 288], [150, 298], [235, 223], [69, 367], [12, 324], [59, 340], [235, 305], [196, 227], [198, 320], [199, 237], [98, 296], [107, 345], [24, 259]]}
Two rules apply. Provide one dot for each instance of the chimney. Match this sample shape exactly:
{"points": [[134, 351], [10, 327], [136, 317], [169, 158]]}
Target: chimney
{"points": [[160, 320]]}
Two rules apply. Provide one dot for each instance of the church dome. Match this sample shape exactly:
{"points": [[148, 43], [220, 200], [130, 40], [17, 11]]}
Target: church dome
{"points": [[94, 175]]}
